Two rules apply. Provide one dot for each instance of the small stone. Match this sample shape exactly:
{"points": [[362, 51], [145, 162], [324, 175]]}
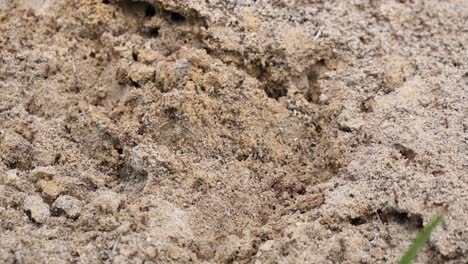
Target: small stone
{"points": [[393, 76], [251, 22], [51, 188], [16, 150], [174, 252], [149, 55], [9, 178], [39, 211], [267, 246], [367, 105], [69, 204], [41, 173], [155, 160], [108, 201], [141, 73]]}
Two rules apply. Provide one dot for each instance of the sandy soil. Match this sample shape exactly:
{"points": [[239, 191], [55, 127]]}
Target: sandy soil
{"points": [[253, 131]]}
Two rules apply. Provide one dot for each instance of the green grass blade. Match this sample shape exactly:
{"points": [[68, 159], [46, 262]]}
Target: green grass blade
{"points": [[419, 242]]}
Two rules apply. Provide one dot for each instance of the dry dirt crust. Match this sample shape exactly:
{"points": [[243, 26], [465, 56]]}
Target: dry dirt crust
{"points": [[228, 131]]}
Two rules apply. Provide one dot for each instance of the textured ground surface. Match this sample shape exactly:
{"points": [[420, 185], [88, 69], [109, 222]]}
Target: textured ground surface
{"points": [[225, 131]]}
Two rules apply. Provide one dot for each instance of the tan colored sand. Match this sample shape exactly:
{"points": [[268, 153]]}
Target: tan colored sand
{"points": [[166, 131]]}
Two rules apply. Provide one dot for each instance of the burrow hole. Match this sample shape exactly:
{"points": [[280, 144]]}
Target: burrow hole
{"points": [[139, 9]]}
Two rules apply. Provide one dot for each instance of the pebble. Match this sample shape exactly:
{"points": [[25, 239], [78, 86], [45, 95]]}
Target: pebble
{"points": [[39, 210], [9, 178], [51, 189], [69, 204], [41, 173], [107, 201]]}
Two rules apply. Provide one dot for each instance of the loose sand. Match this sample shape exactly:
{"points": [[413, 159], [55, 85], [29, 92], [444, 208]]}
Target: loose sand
{"points": [[253, 131]]}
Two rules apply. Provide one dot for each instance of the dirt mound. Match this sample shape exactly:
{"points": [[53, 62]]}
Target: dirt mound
{"points": [[231, 132]]}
